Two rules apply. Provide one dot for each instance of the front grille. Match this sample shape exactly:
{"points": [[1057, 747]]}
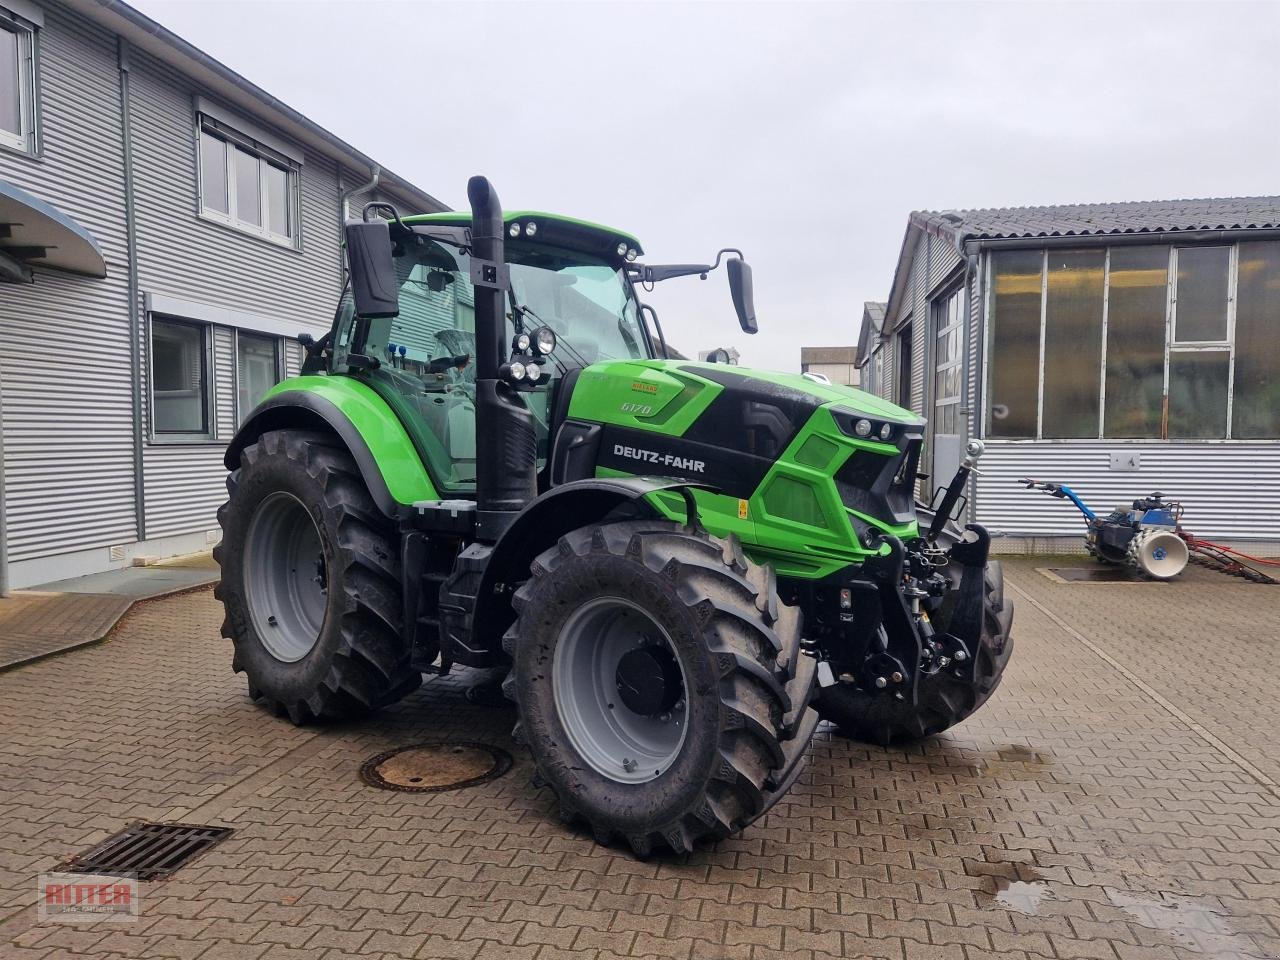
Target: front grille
{"points": [[879, 486]]}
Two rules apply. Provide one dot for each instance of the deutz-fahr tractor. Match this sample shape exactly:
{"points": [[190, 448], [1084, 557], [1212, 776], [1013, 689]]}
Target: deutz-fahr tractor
{"points": [[491, 461]]}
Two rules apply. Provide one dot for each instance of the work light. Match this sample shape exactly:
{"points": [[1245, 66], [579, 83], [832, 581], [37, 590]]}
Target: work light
{"points": [[544, 338], [862, 428]]}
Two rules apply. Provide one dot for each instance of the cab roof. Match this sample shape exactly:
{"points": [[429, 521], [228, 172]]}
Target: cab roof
{"points": [[552, 228]]}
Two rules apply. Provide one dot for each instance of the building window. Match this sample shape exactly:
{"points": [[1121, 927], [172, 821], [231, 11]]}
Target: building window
{"points": [[246, 186], [1136, 342], [257, 370], [948, 361], [17, 84], [903, 386], [179, 380]]}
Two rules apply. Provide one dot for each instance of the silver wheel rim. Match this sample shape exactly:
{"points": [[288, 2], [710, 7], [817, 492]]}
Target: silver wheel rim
{"points": [[617, 742], [284, 576]]}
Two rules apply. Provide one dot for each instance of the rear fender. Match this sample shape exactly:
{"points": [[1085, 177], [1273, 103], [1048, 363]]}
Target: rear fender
{"points": [[388, 462]]}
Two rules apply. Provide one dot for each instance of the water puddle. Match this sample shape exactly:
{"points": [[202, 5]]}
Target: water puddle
{"points": [[1022, 896], [1188, 921]]}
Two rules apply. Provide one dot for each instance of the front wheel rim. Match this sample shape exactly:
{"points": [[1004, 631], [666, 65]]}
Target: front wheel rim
{"points": [[285, 577], [626, 735]]}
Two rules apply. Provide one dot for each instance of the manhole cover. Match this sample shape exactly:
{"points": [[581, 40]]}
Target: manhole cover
{"points": [[148, 851], [435, 767]]}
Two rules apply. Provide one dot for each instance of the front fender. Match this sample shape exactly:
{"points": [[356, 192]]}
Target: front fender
{"points": [[388, 462]]}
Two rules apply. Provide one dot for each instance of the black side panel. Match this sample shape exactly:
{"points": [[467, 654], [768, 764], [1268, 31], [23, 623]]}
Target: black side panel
{"points": [[753, 416], [716, 462], [575, 452]]}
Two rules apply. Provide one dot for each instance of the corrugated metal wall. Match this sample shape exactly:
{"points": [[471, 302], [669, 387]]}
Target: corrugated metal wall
{"points": [[64, 344], [1230, 490]]}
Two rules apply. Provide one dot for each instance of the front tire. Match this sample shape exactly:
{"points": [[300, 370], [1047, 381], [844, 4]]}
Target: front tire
{"points": [[311, 582], [660, 683]]}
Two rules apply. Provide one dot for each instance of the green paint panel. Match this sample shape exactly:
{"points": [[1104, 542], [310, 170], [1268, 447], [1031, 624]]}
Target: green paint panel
{"points": [[458, 218], [392, 450], [642, 395]]}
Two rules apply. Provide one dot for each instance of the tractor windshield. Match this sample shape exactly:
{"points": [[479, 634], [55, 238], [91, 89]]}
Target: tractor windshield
{"points": [[425, 356]]}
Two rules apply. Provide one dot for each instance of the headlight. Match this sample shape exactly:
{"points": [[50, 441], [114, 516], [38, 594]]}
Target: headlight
{"points": [[522, 341], [533, 372], [530, 229], [515, 370], [622, 249], [631, 254], [862, 428], [544, 338], [513, 230], [886, 431]]}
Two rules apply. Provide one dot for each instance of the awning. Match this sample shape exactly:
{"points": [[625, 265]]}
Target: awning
{"points": [[34, 233]]}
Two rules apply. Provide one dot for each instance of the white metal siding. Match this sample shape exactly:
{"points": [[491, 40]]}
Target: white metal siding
{"points": [[64, 344], [1229, 489], [224, 381]]}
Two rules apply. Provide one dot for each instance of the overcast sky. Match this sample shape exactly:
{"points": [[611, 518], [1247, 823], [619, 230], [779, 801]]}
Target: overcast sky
{"points": [[803, 133]]}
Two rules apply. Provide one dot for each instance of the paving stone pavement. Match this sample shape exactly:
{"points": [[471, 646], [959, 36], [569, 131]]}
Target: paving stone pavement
{"points": [[1116, 799]]}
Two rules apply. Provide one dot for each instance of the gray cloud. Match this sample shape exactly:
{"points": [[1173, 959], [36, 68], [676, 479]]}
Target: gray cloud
{"points": [[802, 132]]}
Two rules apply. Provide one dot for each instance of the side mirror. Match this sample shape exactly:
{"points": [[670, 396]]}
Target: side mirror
{"points": [[740, 290], [375, 288]]}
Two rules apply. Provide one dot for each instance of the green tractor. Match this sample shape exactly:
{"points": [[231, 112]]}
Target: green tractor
{"points": [[681, 567]]}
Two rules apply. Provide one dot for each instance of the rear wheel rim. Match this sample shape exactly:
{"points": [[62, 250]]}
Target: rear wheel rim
{"points": [[285, 577], [592, 695]]}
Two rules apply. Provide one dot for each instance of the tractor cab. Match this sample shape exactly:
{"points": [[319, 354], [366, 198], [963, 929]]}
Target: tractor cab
{"points": [[566, 276]]}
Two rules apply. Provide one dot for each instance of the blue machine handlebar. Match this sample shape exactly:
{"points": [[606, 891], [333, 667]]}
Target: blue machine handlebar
{"points": [[1061, 491]]}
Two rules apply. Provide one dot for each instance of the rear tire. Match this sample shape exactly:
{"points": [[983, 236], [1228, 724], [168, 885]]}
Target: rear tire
{"points": [[311, 582], [943, 699], [732, 673]]}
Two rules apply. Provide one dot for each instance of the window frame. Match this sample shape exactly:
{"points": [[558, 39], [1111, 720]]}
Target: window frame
{"points": [[232, 140], [1171, 347], [940, 304], [208, 370], [27, 141], [280, 364]]}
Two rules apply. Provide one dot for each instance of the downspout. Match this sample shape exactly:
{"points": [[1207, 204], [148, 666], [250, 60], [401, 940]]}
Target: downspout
{"points": [[972, 275], [348, 194], [135, 296]]}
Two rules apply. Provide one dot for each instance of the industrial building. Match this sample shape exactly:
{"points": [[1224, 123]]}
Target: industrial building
{"points": [[167, 229], [1122, 348]]}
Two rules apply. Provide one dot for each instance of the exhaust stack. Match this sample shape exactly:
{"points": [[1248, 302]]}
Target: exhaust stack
{"points": [[506, 445]]}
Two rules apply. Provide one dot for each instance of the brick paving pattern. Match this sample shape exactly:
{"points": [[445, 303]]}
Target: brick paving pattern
{"points": [[1116, 799]]}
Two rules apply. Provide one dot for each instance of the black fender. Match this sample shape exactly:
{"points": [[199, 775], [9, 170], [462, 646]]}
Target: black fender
{"points": [[544, 521], [300, 409]]}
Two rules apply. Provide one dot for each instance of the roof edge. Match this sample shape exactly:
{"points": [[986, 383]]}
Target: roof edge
{"points": [[148, 35]]}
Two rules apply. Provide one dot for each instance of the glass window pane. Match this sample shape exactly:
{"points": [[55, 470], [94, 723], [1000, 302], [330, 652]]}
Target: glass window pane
{"points": [[177, 378], [248, 198], [1073, 343], [1198, 394], [213, 173], [256, 370], [277, 200], [10, 82], [1137, 302], [1255, 413], [1015, 342], [1201, 311]]}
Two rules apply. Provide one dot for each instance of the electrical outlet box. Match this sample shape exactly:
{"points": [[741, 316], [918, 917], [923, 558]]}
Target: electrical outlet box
{"points": [[1126, 461], [117, 552]]}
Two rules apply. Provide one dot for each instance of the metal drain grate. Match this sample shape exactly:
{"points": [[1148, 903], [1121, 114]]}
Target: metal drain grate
{"points": [[148, 851], [436, 767]]}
